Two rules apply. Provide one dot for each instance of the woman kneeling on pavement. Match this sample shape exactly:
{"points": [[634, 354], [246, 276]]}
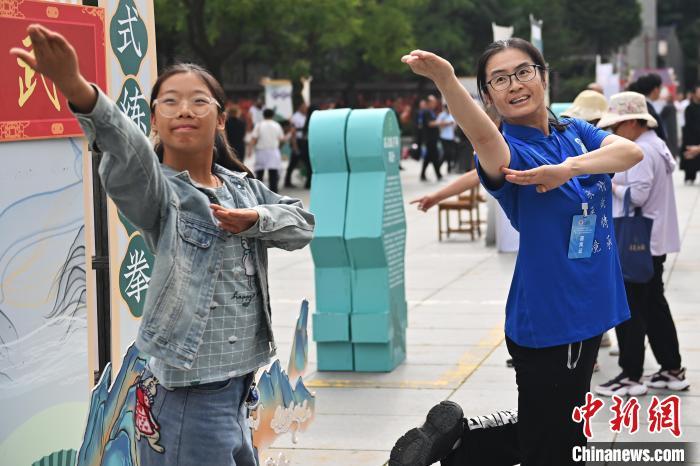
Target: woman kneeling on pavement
{"points": [[553, 180]]}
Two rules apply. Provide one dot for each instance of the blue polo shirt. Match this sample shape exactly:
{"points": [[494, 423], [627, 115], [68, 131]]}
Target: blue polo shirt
{"points": [[554, 300]]}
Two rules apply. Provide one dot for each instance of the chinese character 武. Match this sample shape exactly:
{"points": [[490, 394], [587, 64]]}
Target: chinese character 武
{"points": [[28, 84]]}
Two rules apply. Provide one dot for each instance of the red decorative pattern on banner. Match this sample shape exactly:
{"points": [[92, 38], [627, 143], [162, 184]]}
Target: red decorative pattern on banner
{"points": [[13, 130], [10, 8]]}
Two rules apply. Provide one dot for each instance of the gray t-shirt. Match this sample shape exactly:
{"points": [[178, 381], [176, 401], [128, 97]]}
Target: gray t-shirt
{"points": [[235, 340]]}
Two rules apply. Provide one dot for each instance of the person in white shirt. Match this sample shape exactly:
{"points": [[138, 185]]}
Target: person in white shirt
{"points": [[651, 185], [300, 146], [256, 112], [446, 123], [266, 138]]}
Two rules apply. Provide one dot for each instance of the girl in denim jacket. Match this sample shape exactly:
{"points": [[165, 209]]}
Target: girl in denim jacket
{"points": [[206, 324]]}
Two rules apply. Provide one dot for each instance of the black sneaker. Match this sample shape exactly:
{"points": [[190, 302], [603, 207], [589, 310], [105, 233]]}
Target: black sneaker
{"points": [[621, 386], [432, 441], [671, 380]]}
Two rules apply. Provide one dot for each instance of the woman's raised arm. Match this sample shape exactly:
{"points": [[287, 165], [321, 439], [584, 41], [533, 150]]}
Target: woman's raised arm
{"points": [[477, 126]]}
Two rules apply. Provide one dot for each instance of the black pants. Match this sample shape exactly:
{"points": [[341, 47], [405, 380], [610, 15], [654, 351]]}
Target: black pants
{"points": [[449, 153], [691, 174], [650, 316], [551, 383], [273, 176], [432, 155], [302, 156]]}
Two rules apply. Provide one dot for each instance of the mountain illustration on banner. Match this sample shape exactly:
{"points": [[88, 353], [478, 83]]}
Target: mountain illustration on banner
{"points": [[115, 417]]}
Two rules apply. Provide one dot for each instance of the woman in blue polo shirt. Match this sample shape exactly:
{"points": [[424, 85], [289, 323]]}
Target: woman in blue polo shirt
{"points": [[552, 179]]}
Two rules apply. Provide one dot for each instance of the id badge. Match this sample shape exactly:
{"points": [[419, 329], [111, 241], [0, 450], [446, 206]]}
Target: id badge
{"points": [[581, 240]]}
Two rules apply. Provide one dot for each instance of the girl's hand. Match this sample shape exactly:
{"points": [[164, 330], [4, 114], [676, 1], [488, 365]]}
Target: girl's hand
{"points": [[546, 177], [54, 57], [425, 202], [234, 220], [429, 65]]}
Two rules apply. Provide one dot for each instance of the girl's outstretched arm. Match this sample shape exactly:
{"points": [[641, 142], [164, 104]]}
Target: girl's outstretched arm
{"points": [[129, 169]]}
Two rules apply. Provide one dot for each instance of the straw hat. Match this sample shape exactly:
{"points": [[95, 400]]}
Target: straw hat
{"points": [[588, 105], [627, 106]]}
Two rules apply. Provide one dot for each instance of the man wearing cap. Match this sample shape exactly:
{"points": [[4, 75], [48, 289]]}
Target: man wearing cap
{"points": [[651, 185]]}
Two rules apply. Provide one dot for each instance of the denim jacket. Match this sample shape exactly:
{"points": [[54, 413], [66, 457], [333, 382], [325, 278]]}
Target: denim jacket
{"points": [[176, 221]]}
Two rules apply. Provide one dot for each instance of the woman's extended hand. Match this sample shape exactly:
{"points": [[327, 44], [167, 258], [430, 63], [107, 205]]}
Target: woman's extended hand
{"points": [[54, 57], [546, 177], [234, 220], [429, 65], [425, 202]]}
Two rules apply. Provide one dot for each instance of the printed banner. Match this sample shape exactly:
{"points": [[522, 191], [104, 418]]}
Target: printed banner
{"points": [[278, 97], [30, 105]]}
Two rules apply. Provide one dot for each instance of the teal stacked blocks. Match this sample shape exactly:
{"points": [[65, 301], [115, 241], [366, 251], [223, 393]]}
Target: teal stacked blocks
{"points": [[360, 240], [331, 321], [375, 237]]}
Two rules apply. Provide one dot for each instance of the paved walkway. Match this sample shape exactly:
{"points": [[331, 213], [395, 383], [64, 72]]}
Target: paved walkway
{"points": [[456, 292]]}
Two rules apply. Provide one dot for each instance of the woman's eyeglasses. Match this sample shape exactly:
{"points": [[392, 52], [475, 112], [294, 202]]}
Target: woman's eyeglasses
{"points": [[522, 74], [200, 105]]}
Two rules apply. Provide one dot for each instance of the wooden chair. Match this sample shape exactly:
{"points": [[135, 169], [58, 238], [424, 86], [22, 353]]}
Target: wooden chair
{"points": [[469, 202]]}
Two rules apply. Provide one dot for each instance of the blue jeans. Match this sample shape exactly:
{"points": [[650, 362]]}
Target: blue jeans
{"points": [[200, 425]]}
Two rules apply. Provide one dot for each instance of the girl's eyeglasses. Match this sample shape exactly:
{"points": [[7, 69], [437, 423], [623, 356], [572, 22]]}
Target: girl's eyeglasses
{"points": [[200, 105], [522, 74]]}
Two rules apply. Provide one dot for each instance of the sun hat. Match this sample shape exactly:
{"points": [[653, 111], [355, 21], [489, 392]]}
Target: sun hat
{"points": [[627, 106], [588, 105]]}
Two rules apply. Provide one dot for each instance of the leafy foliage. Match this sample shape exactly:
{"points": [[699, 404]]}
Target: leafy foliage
{"points": [[363, 40]]}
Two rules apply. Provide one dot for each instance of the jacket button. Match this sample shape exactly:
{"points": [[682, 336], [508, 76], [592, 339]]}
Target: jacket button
{"points": [[232, 339]]}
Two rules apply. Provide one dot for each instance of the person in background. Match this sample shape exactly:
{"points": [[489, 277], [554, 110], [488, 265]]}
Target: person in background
{"points": [[300, 145], [235, 129], [420, 129], [431, 134], [669, 120], [651, 187], [595, 87], [255, 112], [447, 137], [649, 85], [266, 138], [589, 106], [690, 149]]}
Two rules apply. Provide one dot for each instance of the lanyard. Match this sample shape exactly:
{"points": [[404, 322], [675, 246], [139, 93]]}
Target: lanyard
{"points": [[574, 181]]}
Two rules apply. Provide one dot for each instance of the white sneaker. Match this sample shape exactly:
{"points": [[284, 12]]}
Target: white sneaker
{"points": [[621, 386], [672, 380]]}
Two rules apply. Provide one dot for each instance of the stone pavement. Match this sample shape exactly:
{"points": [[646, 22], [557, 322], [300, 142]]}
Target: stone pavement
{"points": [[456, 292]]}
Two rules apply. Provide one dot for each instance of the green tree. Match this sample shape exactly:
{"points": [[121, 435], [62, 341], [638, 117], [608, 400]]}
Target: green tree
{"points": [[685, 15], [329, 39]]}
